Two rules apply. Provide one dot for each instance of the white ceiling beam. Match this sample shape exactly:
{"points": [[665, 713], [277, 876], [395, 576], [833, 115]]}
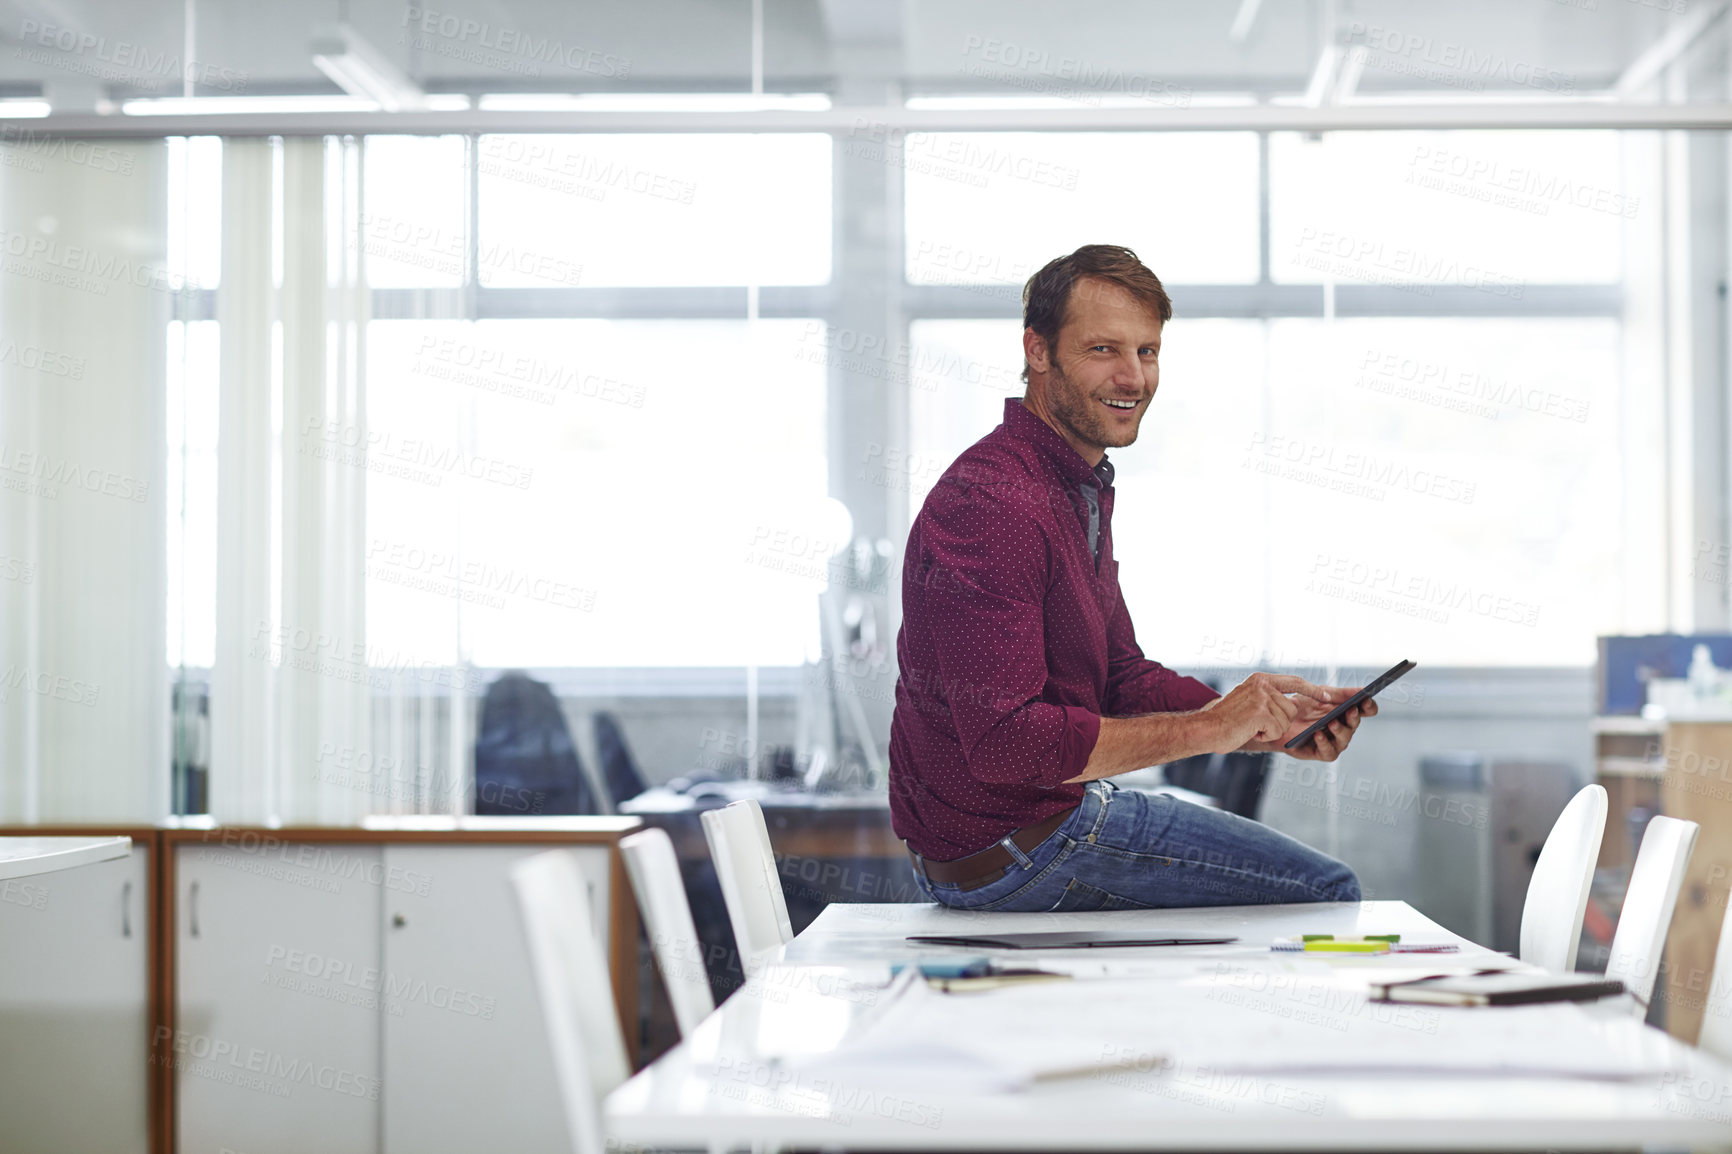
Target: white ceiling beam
{"points": [[1658, 56], [1243, 19], [351, 62], [877, 121], [1352, 68], [1322, 85]]}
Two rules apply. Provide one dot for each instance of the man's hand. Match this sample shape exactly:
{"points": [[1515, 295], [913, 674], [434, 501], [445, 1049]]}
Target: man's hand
{"points": [[1259, 710], [1329, 742]]}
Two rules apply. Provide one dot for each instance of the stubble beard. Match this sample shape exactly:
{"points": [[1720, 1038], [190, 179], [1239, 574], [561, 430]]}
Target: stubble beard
{"points": [[1079, 413]]}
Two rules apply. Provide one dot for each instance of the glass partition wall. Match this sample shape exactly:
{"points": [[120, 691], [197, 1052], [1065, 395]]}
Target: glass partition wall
{"points": [[443, 450]]}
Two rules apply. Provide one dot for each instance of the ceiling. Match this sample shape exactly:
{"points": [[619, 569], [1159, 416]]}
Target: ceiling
{"points": [[72, 49]]}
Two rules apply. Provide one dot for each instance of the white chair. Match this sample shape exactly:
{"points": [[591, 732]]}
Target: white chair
{"points": [[746, 867], [1716, 1035], [576, 995], [1648, 904], [1558, 892], [667, 918]]}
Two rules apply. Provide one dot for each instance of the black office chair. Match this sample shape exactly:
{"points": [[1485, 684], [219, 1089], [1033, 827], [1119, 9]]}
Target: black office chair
{"points": [[525, 760], [1233, 780], [619, 771]]}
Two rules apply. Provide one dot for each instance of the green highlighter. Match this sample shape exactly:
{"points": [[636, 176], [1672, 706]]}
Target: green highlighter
{"points": [[1391, 938], [1346, 943]]}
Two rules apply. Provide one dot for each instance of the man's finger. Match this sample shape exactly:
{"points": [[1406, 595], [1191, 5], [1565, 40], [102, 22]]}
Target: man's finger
{"points": [[1292, 683]]}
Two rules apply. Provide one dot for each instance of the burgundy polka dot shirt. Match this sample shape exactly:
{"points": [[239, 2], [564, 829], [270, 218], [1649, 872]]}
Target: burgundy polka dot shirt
{"points": [[1014, 643]]}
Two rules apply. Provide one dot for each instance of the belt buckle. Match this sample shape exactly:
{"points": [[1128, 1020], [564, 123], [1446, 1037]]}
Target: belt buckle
{"points": [[1008, 842]]}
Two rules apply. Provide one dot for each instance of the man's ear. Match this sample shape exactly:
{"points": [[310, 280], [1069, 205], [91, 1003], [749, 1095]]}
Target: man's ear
{"points": [[1035, 351]]}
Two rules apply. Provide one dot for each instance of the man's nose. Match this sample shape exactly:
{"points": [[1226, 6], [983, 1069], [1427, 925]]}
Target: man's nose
{"points": [[1128, 370]]}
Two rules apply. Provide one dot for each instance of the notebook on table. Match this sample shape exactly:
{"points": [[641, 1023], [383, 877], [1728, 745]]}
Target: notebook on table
{"points": [[1497, 989], [1068, 940]]}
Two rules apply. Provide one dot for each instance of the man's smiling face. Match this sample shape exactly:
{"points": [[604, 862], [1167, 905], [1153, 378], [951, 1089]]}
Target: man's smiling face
{"points": [[1093, 383]]}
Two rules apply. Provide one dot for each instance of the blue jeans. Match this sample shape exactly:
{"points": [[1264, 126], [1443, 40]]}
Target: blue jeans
{"points": [[1125, 850]]}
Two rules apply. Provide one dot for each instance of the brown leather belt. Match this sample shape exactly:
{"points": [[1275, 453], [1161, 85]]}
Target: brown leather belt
{"points": [[978, 869]]}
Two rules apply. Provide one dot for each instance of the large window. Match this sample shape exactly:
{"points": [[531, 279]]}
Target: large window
{"points": [[1324, 476], [631, 493], [991, 208], [454, 458], [629, 210], [1496, 211], [587, 400]]}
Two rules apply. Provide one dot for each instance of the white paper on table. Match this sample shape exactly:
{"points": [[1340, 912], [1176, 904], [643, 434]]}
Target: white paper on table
{"points": [[967, 1043], [1253, 1021], [1007, 1038]]}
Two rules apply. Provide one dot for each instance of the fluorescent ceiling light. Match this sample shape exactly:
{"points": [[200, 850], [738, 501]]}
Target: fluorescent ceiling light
{"points": [[197, 105], [653, 102], [977, 102], [12, 108], [363, 71], [1463, 97], [205, 105]]}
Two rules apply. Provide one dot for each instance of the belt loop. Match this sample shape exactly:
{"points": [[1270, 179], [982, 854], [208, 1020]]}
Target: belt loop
{"points": [[1022, 859]]}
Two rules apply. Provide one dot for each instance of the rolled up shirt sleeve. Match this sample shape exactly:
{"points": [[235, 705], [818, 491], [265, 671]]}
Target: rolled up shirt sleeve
{"points": [[1136, 684], [988, 565]]}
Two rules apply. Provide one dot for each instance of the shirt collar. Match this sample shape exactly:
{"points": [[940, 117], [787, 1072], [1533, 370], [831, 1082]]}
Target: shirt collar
{"points": [[1054, 449]]}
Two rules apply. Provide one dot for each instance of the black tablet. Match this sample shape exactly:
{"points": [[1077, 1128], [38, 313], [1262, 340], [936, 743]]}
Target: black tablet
{"points": [[1383, 682]]}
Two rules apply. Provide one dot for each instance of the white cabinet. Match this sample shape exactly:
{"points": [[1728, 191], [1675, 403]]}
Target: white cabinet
{"points": [[465, 1049], [75, 1009], [372, 997], [277, 1031]]}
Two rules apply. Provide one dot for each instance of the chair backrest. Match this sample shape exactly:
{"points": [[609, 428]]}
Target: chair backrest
{"points": [[1240, 783], [1716, 1035], [1648, 904], [746, 867], [667, 918], [1558, 892], [619, 771], [525, 759], [576, 996]]}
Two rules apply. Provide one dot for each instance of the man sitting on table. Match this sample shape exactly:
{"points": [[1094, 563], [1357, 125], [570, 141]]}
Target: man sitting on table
{"points": [[1022, 688]]}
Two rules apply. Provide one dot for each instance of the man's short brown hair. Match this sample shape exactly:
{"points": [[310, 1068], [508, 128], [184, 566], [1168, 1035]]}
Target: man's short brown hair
{"points": [[1046, 296]]}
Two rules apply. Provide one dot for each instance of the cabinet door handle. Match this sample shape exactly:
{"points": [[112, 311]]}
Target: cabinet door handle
{"points": [[126, 909], [192, 909]]}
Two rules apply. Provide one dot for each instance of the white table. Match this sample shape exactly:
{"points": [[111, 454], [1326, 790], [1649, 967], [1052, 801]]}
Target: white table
{"points": [[22, 857], [745, 1076]]}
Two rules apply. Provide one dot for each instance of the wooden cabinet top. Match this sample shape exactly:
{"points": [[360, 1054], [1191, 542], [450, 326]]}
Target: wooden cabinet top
{"points": [[384, 828]]}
